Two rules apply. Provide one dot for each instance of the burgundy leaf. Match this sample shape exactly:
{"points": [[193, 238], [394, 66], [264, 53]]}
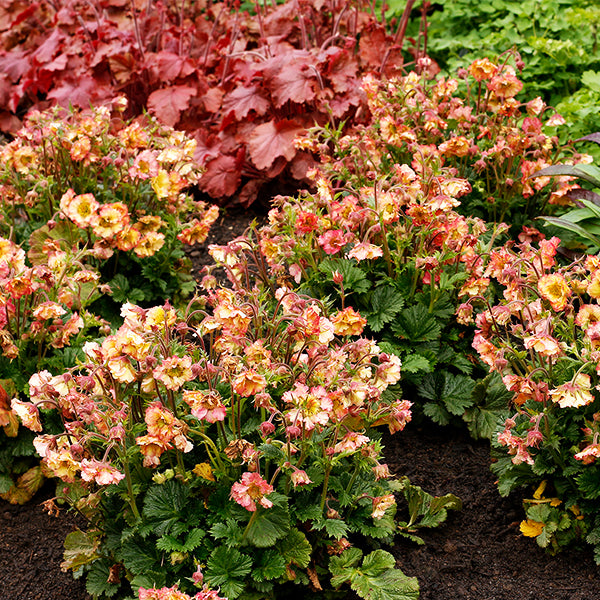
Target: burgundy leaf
{"points": [[168, 103], [372, 44], [49, 48], [81, 92], [245, 99], [292, 77], [212, 99], [222, 177], [342, 69], [15, 64], [171, 65], [273, 139]]}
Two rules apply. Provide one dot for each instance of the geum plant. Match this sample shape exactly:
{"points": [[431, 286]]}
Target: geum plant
{"points": [[232, 450], [382, 232], [244, 84], [472, 125], [542, 338], [44, 321], [89, 180]]}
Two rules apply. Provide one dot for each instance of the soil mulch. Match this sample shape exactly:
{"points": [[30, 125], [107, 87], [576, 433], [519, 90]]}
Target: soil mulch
{"points": [[478, 554]]}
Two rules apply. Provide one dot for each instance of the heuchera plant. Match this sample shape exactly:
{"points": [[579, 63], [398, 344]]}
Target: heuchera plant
{"points": [[244, 85], [232, 449], [542, 337], [87, 179]]}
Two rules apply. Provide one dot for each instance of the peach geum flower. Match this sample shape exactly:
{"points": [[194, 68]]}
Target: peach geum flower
{"points": [[555, 289], [573, 394], [174, 371], [252, 489], [205, 405]]}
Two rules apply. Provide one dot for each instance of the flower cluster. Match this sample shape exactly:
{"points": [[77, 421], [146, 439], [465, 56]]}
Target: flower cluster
{"points": [[90, 180], [470, 127], [251, 403], [543, 339]]}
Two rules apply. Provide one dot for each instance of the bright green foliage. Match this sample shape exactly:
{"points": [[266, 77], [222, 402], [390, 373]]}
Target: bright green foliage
{"points": [[557, 40], [374, 579]]}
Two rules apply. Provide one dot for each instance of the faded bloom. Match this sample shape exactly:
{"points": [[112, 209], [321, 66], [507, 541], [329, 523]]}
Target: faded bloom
{"points": [[573, 394], [101, 472], [364, 251], [205, 404], [381, 504]]}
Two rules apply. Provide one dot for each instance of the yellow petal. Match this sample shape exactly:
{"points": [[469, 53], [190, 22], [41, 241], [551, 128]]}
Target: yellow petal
{"points": [[538, 493], [204, 470], [531, 528]]}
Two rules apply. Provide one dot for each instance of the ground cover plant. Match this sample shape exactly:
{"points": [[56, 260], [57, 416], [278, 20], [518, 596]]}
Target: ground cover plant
{"points": [[232, 450], [94, 210], [383, 233], [541, 337], [243, 84], [229, 448]]}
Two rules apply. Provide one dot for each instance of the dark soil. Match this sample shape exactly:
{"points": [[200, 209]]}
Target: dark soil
{"points": [[478, 554]]}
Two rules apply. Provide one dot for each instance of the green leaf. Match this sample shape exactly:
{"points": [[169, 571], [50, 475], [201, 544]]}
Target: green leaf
{"points": [[573, 228], [416, 363], [454, 391], [227, 568], [229, 531], [437, 413], [354, 278], [139, 556], [97, 580], [424, 509], [376, 579], [5, 482], [122, 292], [194, 539], [385, 303], [588, 482], [270, 566], [166, 505], [267, 526], [336, 528], [295, 548], [415, 324]]}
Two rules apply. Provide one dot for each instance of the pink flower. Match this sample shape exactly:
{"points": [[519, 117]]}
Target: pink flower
{"points": [[365, 250], [174, 371], [311, 407], [332, 241], [100, 472], [299, 477], [205, 404], [28, 413], [247, 383], [350, 442], [252, 489]]}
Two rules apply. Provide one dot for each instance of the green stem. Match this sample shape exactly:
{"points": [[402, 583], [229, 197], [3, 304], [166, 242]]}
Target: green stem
{"points": [[132, 504]]}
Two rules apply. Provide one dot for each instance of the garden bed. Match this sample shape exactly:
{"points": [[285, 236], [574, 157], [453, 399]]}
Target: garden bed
{"points": [[477, 554]]}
